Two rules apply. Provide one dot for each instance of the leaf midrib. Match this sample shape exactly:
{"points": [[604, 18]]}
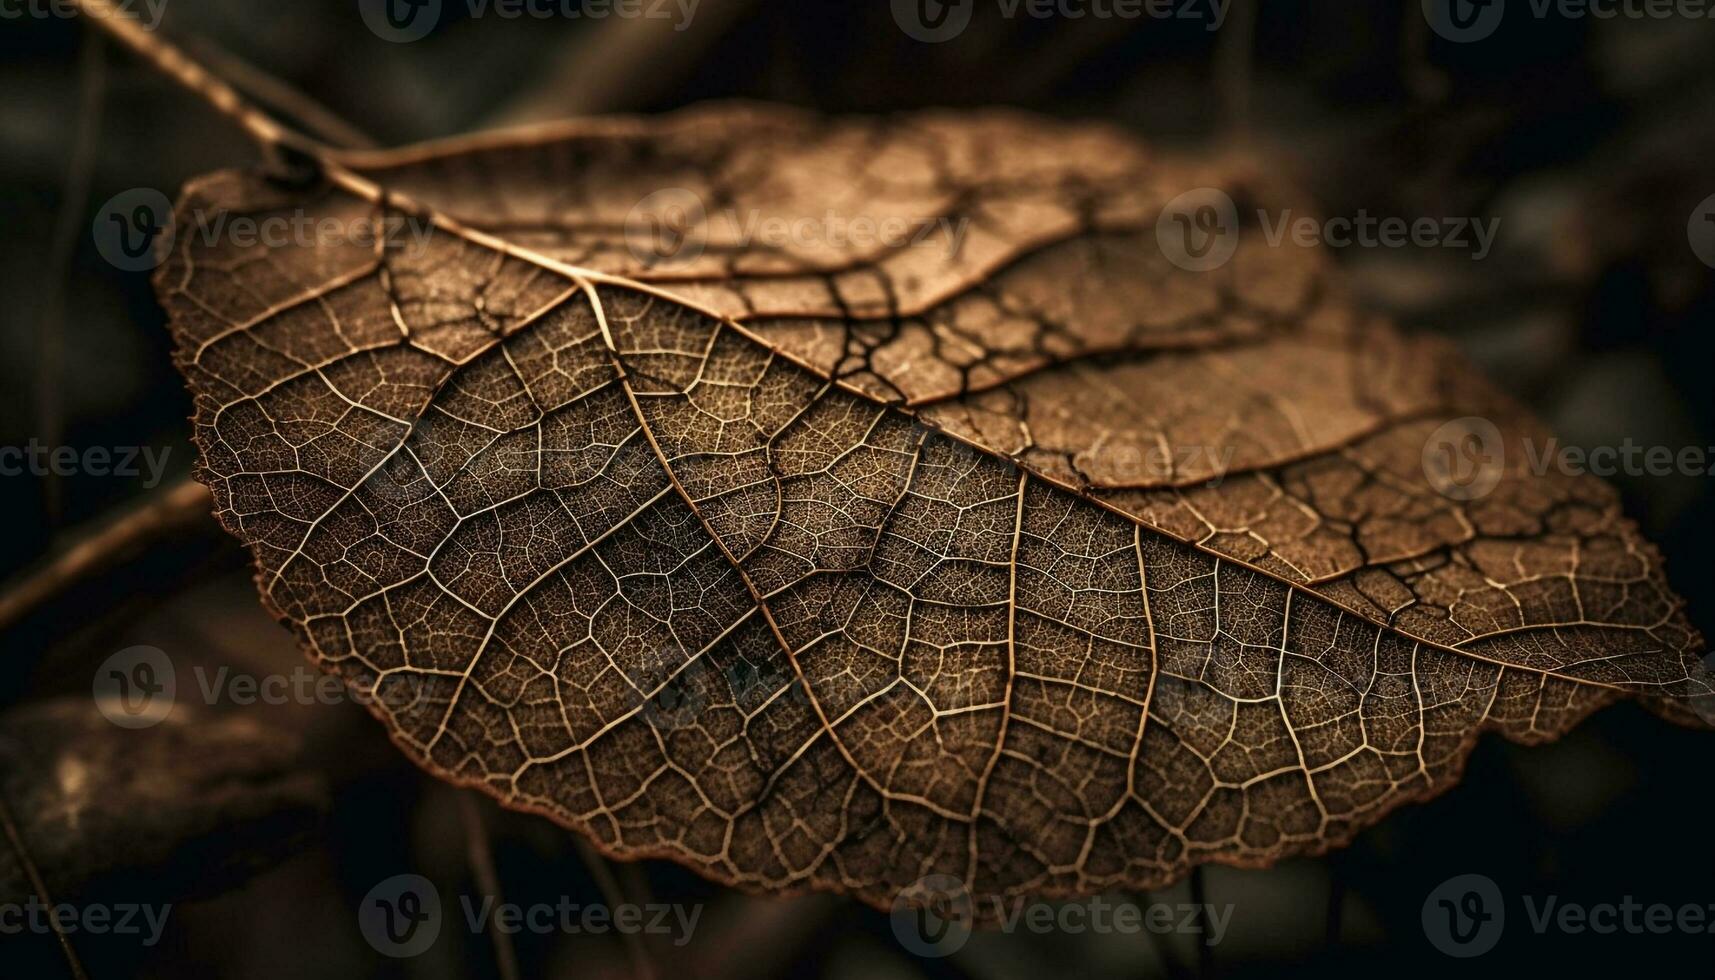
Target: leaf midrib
{"points": [[366, 189]]}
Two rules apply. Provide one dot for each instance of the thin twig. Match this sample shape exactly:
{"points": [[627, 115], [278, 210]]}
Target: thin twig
{"points": [[642, 967], [1055, 59], [621, 61], [16, 839], [277, 93], [482, 866], [271, 134], [185, 503], [80, 170], [179, 506]]}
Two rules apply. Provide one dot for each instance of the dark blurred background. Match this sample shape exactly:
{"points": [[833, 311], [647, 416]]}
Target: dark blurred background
{"points": [[1590, 139]]}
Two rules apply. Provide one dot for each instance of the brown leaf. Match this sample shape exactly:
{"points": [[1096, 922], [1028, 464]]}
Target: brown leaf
{"points": [[1017, 554]]}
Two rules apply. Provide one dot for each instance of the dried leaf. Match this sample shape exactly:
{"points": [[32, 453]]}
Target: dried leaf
{"points": [[1026, 557]]}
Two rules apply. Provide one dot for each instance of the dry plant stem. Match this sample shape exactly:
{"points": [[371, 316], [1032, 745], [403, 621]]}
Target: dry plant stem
{"points": [[92, 72], [179, 506], [185, 503], [16, 840], [642, 967], [321, 121], [1282, 588], [265, 130], [623, 61], [482, 867]]}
